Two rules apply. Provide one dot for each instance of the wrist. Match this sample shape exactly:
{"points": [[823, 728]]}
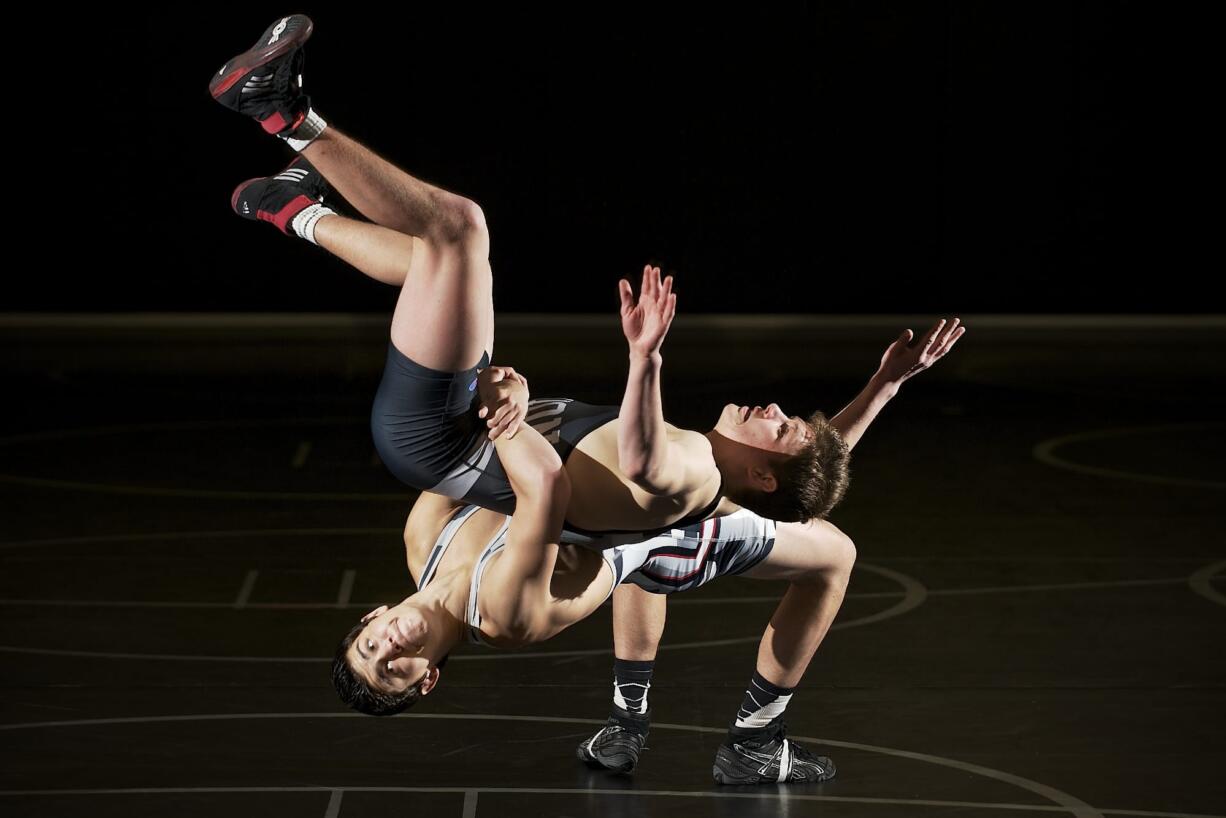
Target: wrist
{"points": [[652, 358], [884, 386]]}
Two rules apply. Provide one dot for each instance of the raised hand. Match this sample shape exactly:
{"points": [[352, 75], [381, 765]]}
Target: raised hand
{"points": [[504, 400], [646, 323], [905, 357]]}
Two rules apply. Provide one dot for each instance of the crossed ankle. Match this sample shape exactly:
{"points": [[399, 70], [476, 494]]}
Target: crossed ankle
{"points": [[306, 133]]}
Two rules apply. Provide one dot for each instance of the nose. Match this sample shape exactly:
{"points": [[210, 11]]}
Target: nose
{"points": [[387, 644], [773, 410]]}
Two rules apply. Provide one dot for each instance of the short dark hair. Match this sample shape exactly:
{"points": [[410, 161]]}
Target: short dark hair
{"points": [[809, 484], [357, 693]]}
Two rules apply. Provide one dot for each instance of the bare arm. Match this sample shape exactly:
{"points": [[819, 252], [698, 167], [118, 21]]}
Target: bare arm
{"points": [[517, 595], [902, 359], [645, 454]]}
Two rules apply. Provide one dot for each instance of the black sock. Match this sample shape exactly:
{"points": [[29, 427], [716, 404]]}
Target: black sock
{"points": [[631, 681], [764, 702]]}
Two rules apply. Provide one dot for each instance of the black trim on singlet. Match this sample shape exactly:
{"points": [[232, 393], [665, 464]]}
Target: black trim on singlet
{"points": [[685, 522]]}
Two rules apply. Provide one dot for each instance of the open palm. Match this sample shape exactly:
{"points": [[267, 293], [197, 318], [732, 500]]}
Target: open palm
{"points": [[646, 323], [905, 358]]}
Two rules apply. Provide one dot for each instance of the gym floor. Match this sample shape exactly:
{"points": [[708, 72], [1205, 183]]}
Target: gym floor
{"points": [[194, 515]]}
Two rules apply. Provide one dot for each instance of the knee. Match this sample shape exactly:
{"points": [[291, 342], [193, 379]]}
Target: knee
{"points": [[838, 558], [843, 559], [464, 224]]}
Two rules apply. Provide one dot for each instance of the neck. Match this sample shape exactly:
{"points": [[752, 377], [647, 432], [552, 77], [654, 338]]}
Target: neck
{"points": [[723, 453], [443, 608]]}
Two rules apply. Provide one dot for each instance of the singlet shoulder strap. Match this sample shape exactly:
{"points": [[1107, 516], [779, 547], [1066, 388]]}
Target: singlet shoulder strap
{"points": [[472, 615], [440, 545]]}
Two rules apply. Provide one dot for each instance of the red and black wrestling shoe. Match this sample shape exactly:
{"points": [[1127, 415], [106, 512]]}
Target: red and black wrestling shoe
{"points": [[278, 199], [265, 81]]}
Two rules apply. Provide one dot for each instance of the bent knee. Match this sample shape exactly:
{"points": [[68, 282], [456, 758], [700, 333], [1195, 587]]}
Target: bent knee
{"points": [[844, 558], [462, 225], [838, 558]]}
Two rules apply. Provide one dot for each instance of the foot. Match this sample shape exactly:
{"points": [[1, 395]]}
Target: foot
{"points": [[278, 199], [765, 756], [617, 745], [265, 81]]}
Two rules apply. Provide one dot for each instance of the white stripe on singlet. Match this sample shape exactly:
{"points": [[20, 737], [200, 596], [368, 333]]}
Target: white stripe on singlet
{"points": [[441, 543], [472, 612]]}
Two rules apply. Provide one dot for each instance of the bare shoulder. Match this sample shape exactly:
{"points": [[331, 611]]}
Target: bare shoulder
{"points": [[693, 449]]}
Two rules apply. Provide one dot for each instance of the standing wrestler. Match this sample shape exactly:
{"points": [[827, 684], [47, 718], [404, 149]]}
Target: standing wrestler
{"points": [[815, 558]]}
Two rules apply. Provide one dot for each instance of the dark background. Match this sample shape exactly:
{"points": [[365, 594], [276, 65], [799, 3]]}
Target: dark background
{"points": [[828, 158]]}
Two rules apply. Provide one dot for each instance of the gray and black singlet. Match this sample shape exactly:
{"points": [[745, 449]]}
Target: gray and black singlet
{"points": [[680, 559], [426, 431]]}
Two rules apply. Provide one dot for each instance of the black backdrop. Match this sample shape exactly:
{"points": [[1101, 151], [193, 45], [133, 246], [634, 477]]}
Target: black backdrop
{"points": [[833, 158]]}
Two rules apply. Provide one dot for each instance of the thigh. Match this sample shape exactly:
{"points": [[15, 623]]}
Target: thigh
{"points": [[444, 318], [804, 550]]}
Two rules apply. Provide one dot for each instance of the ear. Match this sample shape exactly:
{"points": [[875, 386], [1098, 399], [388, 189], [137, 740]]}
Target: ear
{"points": [[427, 684], [763, 479], [382, 609]]}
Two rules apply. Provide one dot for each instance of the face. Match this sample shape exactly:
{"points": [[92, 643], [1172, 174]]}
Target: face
{"points": [[768, 429], [387, 651]]}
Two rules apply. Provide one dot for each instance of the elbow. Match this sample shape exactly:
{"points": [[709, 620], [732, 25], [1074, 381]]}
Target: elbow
{"points": [[635, 469], [643, 476], [555, 488]]}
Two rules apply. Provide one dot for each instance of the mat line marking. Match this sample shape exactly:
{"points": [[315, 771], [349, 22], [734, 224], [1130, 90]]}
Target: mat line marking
{"points": [[1076, 806], [300, 456], [1201, 582], [915, 594], [334, 803], [244, 592], [346, 590], [1044, 452]]}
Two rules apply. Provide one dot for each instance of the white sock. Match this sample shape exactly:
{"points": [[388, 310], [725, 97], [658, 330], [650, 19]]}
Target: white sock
{"points": [[304, 223], [306, 133]]}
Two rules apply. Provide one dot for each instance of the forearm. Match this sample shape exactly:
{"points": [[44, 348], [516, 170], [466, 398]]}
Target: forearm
{"points": [[542, 492], [642, 440], [855, 417]]}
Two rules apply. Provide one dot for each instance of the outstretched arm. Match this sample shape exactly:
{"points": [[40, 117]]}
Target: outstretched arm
{"points": [[903, 359], [643, 447]]}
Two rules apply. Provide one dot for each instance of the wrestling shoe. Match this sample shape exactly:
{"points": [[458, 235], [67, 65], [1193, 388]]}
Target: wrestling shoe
{"points": [[617, 745], [265, 81], [278, 199], [764, 756]]}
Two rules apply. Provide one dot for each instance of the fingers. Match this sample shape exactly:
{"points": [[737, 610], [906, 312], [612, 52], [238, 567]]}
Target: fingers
{"points": [[950, 338], [932, 334], [506, 421], [626, 294], [654, 292]]}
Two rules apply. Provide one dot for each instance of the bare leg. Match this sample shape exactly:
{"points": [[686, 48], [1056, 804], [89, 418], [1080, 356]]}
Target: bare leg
{"points": [[638, 622], [384, 193], [432, 243], [818, 559]]}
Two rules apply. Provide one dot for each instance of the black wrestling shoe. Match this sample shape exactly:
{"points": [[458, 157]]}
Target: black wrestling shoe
{"points": [[278, 199], [764, 756], [617, 745], [265, 81]]}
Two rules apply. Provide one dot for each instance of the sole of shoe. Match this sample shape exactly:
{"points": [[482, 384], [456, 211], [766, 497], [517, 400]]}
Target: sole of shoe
{"points": [[260, 54], [238, 191], [619, 764]]}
